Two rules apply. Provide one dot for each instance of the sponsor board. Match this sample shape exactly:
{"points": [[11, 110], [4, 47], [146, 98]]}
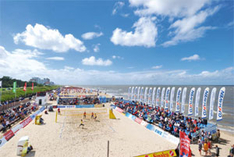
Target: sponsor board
{"points": [[2, 141], [8, 135], [119, 109], [16, 128], [159, 132], [150, 127], [138, 120], [144, 123], [26, 122], [166, 153]]}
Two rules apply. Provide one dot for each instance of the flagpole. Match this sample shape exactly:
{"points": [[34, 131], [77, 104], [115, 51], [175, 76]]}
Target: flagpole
{"points": [[1, 94]]}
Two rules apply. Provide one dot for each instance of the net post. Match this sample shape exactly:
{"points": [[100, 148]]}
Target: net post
{"points": [[108, 148], [56, 116]]}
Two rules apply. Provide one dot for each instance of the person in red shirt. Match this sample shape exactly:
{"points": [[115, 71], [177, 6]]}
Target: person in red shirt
{"points": [[209, 147], [84, 114]]}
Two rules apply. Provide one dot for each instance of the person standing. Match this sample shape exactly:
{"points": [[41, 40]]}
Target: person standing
{"points": [[200, 146], [232, 151], [217, 151], [205, 148]]}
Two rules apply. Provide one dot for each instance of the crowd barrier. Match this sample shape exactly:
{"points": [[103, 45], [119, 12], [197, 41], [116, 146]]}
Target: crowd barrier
{"points": [[13, 131], [73, 106], [151, 127]]}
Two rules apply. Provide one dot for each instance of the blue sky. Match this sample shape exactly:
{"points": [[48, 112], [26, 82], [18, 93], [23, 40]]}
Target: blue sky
{"points": [[118, 42]]}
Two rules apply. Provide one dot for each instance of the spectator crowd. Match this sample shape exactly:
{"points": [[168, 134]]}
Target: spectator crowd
{"points": [[13, 115]]}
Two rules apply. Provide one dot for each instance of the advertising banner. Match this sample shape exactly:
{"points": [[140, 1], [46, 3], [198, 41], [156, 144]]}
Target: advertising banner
{"points": [[197, 101], [162, 97], [204, 102], [190, 106], [142, 94], [172, 98], [138, 93], [183, 99], [212, 100], [138, 120], [132, 94], [184, 145], [167, 98], [129, 93], [153, 96], [145, 95], [8, 135], [220, 104], [178, 94], [2, 141], [149, 96], [158, 96], [166, 153]]}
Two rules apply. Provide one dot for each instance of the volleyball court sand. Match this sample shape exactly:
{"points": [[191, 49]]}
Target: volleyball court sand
{"points": [[65, 138]]}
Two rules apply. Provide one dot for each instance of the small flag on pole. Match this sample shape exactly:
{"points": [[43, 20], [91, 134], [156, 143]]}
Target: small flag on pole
{"points": [[14, 87], [0, 84], [25, 86], [32, 85]]}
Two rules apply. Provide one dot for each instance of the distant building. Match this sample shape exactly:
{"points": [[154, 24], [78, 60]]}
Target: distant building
{"points": [[44, 81]]}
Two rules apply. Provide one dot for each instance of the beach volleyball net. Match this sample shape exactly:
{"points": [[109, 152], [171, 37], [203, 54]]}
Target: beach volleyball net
{"points": [[78, 113]]}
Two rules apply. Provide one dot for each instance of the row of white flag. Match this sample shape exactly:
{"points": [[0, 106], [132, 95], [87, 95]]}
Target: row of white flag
{"points": [[138, 94]]}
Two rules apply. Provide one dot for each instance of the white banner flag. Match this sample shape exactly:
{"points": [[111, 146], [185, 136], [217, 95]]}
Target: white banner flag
{"points": [[162, 97], [172, 98], [129, 93], [142, 93], [138, 93], [132, 94], [150, 96], [0, 84], [153, 96], [145, 96], [167, 98], [178, 94], [197, 101], [135, 93], [183, 99], [204, 102], [190, 107], [220, 104], [212, 101], [158, 96]]}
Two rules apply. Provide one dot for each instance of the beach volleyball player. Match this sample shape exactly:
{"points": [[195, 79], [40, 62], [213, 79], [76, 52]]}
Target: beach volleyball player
{"points": [[85, 115], [81, 123]]}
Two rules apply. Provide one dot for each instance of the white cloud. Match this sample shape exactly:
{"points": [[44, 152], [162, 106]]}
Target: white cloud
{"points": [[117, 6], [230, 24], [145, 34], [189, 14], [117, 57], [171, 8], [157, 67], [51, 39], [96, 47], [191, 58], [55, 58], [24, 67], [91, 35], [18, 60], [187, 29], [125, 15], [93, 61]]}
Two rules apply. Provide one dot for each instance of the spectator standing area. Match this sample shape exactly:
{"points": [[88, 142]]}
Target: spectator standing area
{"points": [[65, 138]]}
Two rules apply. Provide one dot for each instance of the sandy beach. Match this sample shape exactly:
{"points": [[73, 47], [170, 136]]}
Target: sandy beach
{"points": [[65, 138]]}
